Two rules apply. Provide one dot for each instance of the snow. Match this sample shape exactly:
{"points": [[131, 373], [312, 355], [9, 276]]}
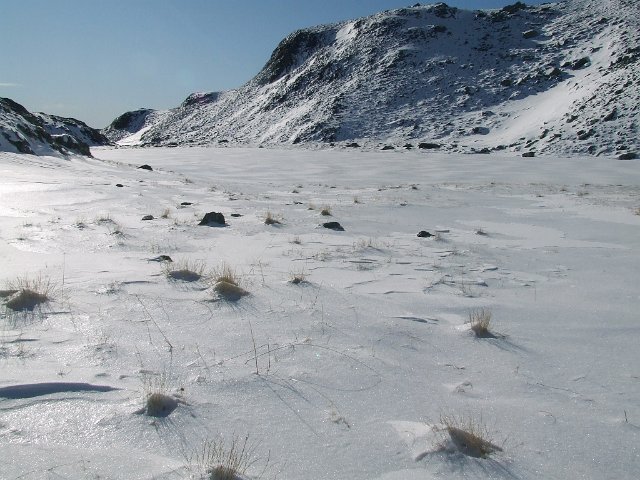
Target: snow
{"points": [[348, 373]]}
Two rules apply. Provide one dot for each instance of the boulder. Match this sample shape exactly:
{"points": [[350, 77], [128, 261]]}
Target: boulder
{"points": [[213, 219], [628, 156], [333, 226], [145, 167], [424, 234]]}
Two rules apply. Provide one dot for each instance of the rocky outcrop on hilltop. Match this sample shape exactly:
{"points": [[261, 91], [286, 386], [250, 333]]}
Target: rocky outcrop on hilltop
{"points": [[41, 134], [553, 78]]}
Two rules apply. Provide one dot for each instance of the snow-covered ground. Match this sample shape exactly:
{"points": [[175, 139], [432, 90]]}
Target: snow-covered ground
{"points": [[347, 374]]}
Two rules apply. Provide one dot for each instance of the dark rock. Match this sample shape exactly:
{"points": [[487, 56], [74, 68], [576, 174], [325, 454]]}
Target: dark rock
{"points": [[408, 146], [333, 226], [554, 72], [161, 258], [186, 204], [424, 234], [147, 217], [429, 146], [119, 185], [612, 115], [388, 147], [511, 9], [529, 154], [236, 215], [506, 82], [530, 34], [145, 167], [580, 63], [628, 156], [480, 130], [353, 145], [212, 219]]}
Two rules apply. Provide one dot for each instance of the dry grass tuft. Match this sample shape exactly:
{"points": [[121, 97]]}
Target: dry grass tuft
{"points": [[479, 321], [166, 213], [227, 284], [185, 270], [269, 219], [326, 211], [158, 403], [469, 436], [298, 278], [220, 462], [28, 294]]}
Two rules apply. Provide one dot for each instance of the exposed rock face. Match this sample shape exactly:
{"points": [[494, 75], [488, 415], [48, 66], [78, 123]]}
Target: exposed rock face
{"points": [[429, 73], [40, 134]]}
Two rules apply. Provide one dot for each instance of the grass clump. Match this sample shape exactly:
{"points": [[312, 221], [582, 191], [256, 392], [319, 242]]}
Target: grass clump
{"points": [[227, 284], [269, 219], [158, 403], [221, 462], [185, 270], [298, 278], [28, 294], [479, 321], [469, 436]]}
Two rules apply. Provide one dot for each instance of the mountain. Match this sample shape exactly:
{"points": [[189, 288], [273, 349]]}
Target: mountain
{"points": [[554, 78], [41, 134]]}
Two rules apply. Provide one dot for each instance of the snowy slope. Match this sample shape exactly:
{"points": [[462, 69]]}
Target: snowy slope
{"points": [[552, 78], [347, 374], [41, 134]]}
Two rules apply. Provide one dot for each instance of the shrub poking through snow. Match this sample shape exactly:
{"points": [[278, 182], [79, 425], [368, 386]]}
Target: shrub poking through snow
{"points": [[326, 211], [27, 295], [269, 219], [220, 462], [298, 278], [227, 284], [184, 271], [479, 321], [158, 403], [468, 436]]}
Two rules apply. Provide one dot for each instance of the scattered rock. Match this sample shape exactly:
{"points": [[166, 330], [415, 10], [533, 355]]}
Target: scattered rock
{"points": [[333, 226], [628, 156], [388, 147], [236, 215], [529, 154], [186, 204], [428, 146], [147, 217], [580, 63], [612, 115], [145, 167], [530, 34], [424, 234], [352, 145], [213, 219], [480, 130], [162, 258], [119, 185]]}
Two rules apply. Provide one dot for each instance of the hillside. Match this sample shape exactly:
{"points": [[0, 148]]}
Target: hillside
{"points": [[41, 134], [551, 78]]}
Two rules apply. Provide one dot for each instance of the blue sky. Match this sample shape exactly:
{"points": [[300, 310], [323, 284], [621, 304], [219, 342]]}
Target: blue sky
{"points": [[96, 59]]}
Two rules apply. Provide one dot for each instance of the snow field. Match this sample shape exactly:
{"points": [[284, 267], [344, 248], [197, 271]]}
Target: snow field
{"points": [[348, 373]]}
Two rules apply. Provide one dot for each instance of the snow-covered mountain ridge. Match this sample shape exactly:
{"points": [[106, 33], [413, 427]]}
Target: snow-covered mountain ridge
{"points": [[554, 78], [41, 134]]}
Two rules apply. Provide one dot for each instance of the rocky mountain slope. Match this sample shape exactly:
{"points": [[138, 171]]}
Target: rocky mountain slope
{"points": [[38, 133], [554, 78]]}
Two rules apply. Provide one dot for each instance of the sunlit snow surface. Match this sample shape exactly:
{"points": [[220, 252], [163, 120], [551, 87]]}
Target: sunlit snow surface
{"points": [[356, 364]]}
